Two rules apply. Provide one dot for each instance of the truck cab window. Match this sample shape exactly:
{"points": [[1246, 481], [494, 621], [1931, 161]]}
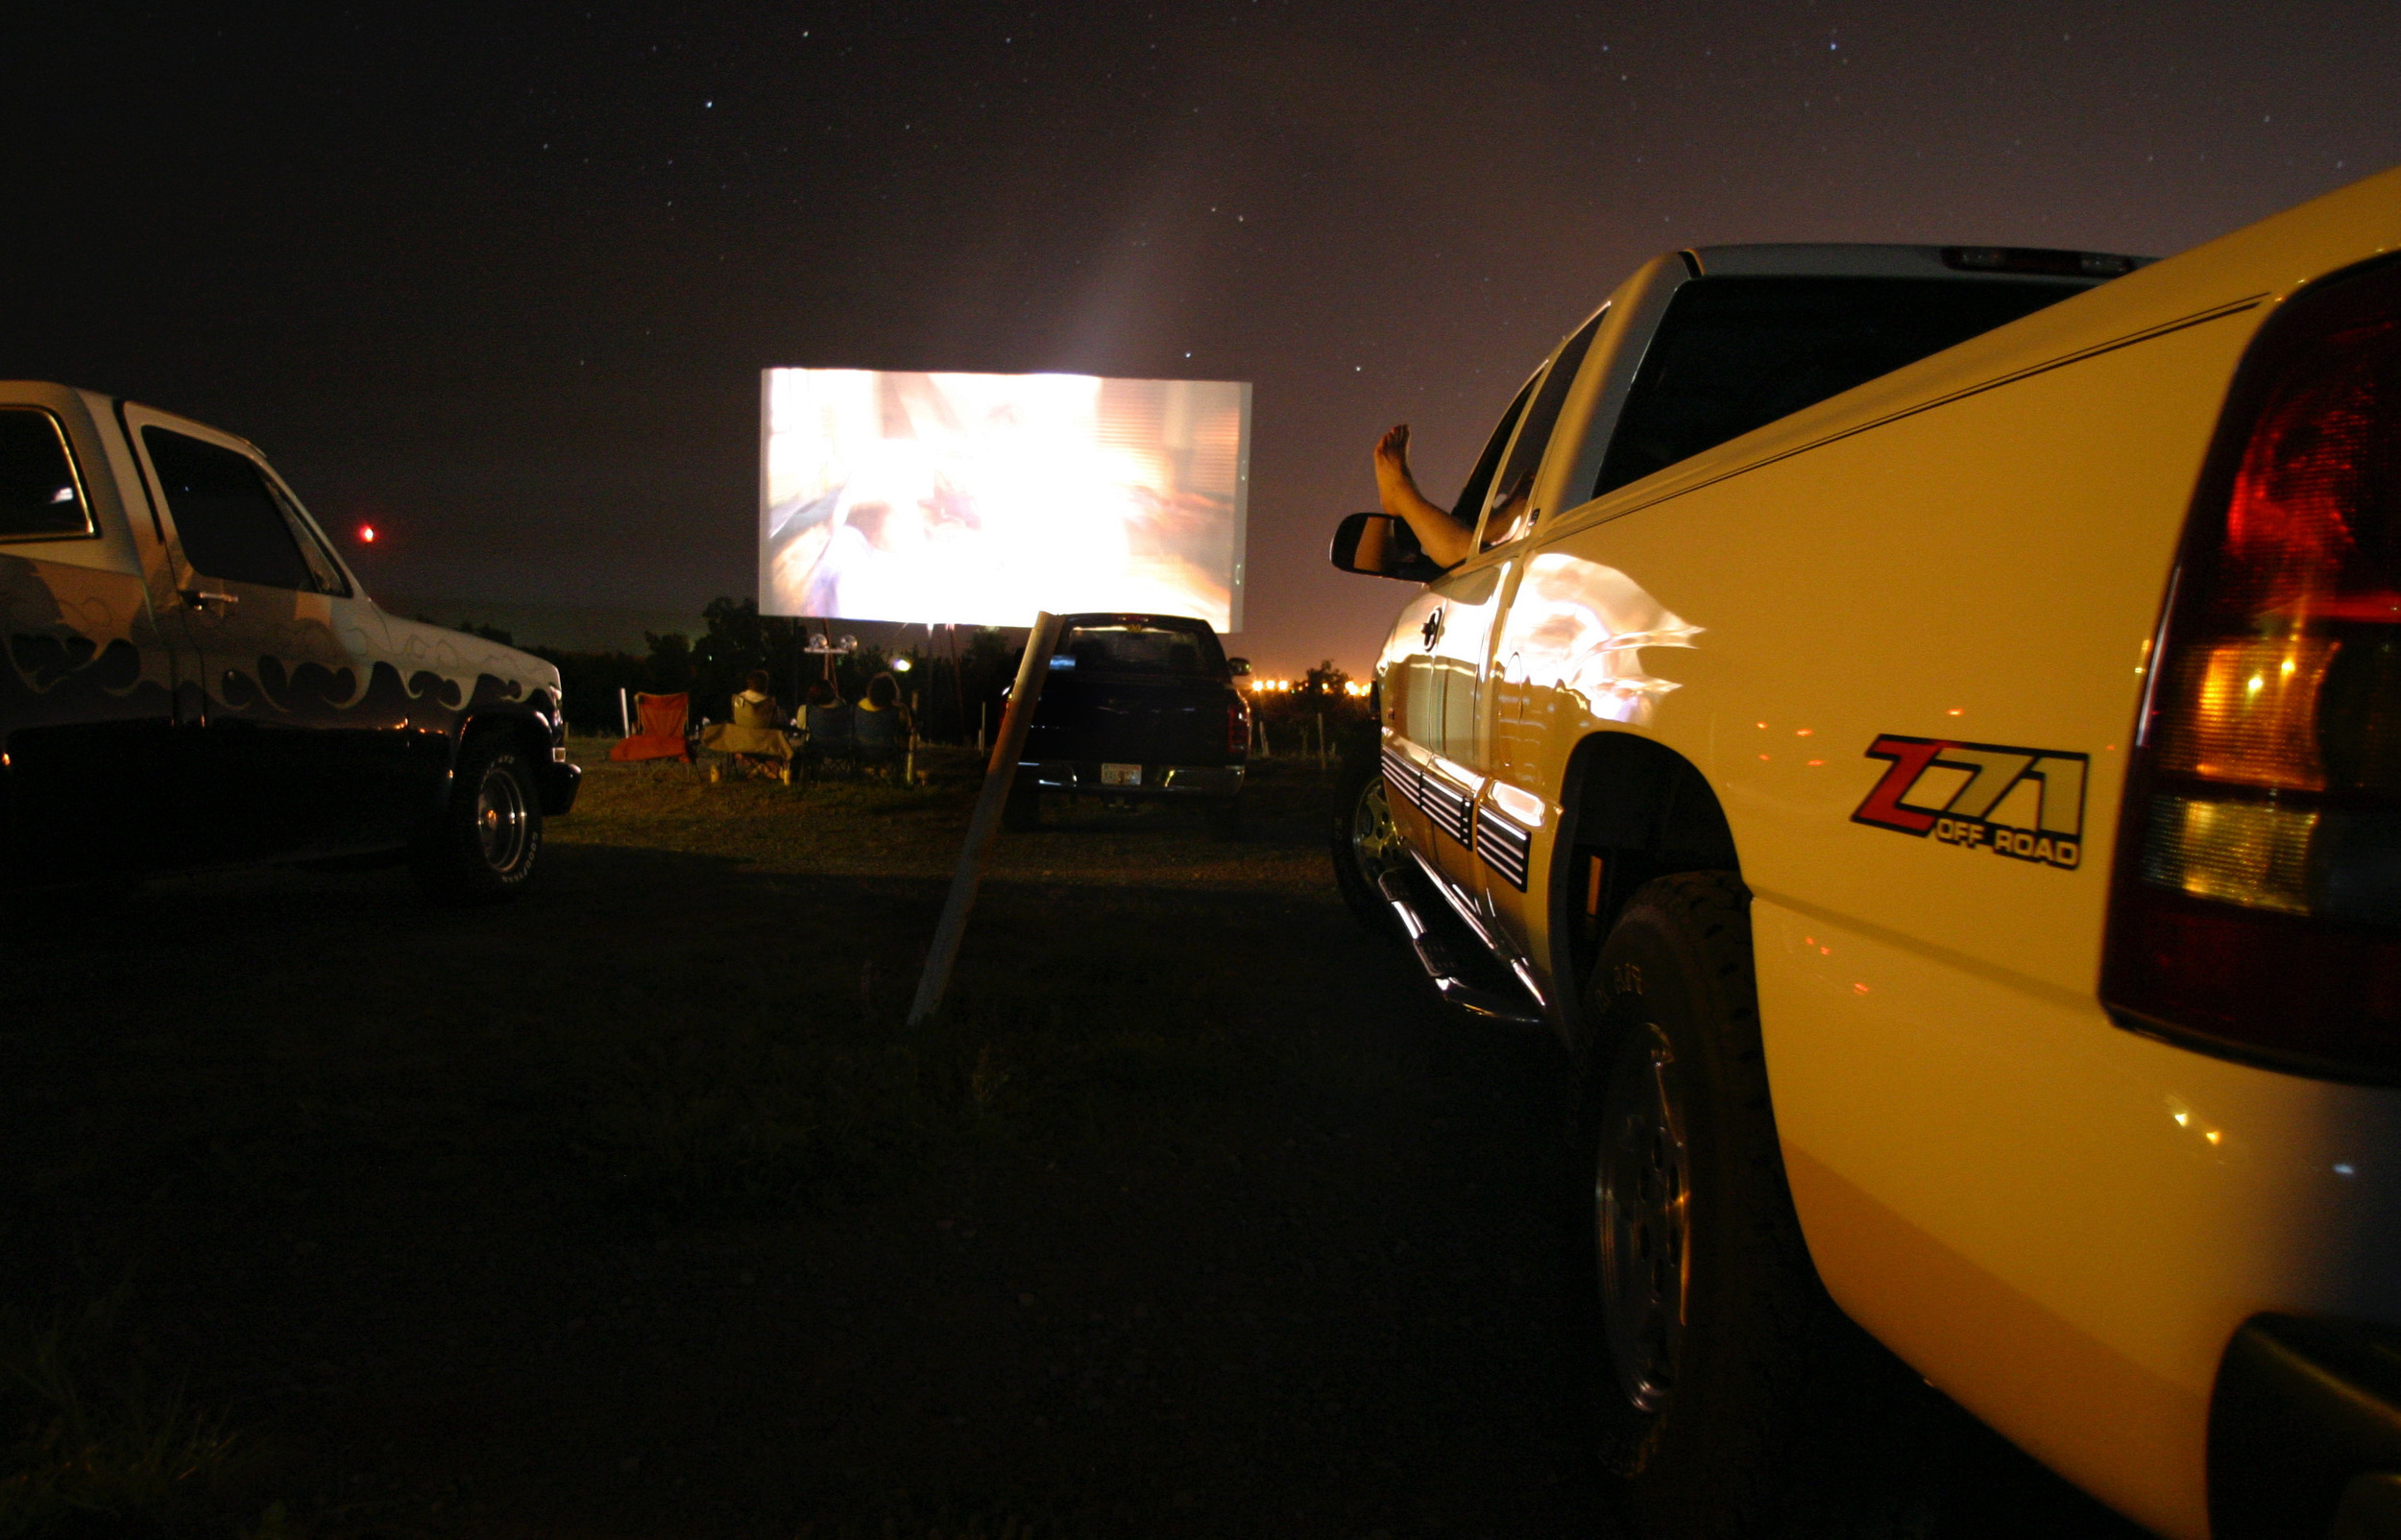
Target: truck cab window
{"points": [[1736, 353], [40, 497], [324, 573], [1471, 498], [1512, 514], [227, 514], [1139, 649]]}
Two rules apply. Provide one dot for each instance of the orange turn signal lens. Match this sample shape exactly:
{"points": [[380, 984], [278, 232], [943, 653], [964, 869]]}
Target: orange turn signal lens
{"points": [[2247, 711]]}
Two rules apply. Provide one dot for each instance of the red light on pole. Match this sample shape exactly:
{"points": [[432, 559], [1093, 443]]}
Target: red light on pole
{"points": [[367, 534]]}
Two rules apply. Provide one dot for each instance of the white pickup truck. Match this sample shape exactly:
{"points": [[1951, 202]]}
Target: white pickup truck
{"points": [[1924, 727], [194, 676]]}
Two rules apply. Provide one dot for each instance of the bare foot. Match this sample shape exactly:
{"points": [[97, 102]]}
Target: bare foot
{"points": [[1439, 535], [1396, 488]]}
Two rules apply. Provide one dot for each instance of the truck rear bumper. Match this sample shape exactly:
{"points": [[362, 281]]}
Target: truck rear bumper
{"points": [[2305, 1431], [1173, 781]]}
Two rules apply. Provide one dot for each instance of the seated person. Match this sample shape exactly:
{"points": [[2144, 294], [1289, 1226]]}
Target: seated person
{"points": [[756, 735], [881, 725], [826, 718], [825, 708]]}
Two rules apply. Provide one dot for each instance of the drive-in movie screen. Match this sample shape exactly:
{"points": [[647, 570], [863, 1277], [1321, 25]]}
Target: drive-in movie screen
{"points": [[984, 498]]}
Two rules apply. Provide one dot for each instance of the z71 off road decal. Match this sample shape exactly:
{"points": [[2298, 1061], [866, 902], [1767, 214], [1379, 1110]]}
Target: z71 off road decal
{"points": [[1925, 793]]}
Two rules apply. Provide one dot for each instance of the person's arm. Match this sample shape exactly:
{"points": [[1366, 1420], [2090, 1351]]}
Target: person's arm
{"points": [[1439, 535], [1374, 544]]}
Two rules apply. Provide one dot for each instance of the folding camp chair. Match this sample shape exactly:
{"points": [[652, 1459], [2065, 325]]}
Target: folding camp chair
{"points": [[665, 733], [830, 736], [878, 735]]}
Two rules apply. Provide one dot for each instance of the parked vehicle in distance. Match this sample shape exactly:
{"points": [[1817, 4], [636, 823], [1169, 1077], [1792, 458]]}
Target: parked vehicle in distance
{"points": [[195, 677], [1945, 799], [1136, 707]]}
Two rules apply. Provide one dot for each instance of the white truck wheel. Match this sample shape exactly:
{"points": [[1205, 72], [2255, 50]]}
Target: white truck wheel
{"points": [[489, 838]]}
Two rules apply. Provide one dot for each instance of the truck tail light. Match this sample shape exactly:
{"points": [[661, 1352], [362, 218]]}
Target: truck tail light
{"points": [[2256, 901], [1237, 726]]}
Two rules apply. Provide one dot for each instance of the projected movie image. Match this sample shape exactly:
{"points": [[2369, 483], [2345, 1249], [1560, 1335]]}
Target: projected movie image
{"points": [[978, 499]]}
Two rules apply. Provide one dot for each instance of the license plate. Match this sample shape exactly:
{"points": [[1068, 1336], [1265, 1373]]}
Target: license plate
{"points": [[1121, 775]]}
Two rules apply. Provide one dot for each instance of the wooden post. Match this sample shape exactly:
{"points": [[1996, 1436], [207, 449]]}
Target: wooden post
{"points": [[959, 686], [624, 712], [1000, 776]]}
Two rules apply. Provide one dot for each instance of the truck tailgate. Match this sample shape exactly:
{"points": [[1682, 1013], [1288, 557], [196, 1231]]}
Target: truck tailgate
{"points": [[1134, 721]]}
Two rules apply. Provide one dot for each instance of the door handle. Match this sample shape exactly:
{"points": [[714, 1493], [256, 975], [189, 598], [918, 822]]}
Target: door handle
{"points": [[201, 598]]}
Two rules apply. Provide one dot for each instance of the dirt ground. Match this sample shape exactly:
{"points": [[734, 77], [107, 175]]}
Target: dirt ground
{"points": [[632, 1209]]}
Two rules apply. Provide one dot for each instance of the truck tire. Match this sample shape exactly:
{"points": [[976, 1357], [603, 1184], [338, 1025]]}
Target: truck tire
{"points": [[489, 838], [1363, 842], [1709, 1314], [1023, 810]]}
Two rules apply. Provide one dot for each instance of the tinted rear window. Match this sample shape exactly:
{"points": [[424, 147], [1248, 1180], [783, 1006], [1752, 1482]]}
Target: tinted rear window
{"points": [[38, 496], [1139, 649], [1734, 354]]}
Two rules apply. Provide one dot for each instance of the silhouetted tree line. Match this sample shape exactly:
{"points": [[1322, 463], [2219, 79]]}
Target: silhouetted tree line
{"points": [[738, 638], [1293, 719]]}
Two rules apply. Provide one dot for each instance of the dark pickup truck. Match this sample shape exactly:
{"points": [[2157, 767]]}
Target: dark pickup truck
{"points": [[1137, 706]]}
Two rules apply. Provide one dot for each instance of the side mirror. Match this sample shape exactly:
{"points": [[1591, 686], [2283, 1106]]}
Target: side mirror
{"points": [[1239, 667], [1380, 546]]}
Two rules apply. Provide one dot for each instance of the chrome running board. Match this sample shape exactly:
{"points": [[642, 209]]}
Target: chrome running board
{"points": [[1501, 952], [1440, 968]]}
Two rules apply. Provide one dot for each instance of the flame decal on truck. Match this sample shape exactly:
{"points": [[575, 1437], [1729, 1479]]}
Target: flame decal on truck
{"points": [[1960, 812]]}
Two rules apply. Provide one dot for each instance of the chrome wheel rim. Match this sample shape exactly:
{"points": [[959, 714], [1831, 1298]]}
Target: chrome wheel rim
{"points": [[1374, 842], [1640, 1191], [501, 825]]}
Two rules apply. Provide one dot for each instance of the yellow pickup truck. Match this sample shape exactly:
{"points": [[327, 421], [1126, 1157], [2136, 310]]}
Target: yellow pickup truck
{"points": [[1923, 725]]}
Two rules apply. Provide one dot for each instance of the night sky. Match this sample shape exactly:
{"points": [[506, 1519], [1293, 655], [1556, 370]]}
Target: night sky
{"points": [[503, 286]]}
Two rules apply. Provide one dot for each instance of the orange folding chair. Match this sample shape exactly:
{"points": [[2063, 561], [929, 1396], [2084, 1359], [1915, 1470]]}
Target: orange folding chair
{"points": [[661, 735]]}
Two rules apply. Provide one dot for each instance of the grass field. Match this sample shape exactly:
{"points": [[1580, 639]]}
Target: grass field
{"points": [[634, 1209]]}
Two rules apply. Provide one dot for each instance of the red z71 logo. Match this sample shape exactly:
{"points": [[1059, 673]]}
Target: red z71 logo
{"points": [[1959, 811]]}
